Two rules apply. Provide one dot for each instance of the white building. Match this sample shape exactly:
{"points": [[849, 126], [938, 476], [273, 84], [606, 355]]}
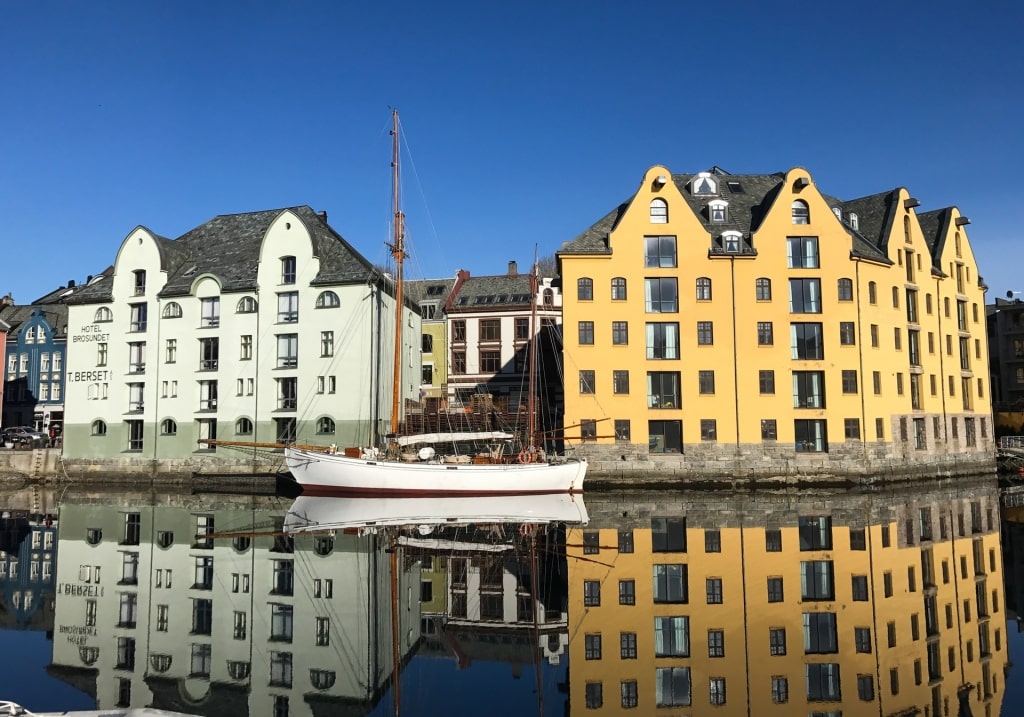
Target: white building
{"points": [[263, 327]]}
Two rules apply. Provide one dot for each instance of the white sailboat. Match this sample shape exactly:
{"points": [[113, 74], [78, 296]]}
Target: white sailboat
{"points": [[424, 472]]}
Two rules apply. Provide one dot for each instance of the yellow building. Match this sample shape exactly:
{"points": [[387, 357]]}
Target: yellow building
{"points": [[702, 604], [749, 324], [430, 295]]}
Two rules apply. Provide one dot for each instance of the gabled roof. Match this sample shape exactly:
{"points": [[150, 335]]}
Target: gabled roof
{"points": [[56, 315], [227, 247], [437, 290], [876, 214]]}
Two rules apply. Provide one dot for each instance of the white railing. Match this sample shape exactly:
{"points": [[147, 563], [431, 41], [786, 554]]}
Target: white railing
{"points": [[1011, 442]]}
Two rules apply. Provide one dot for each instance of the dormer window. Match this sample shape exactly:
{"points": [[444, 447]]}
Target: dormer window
{"points": [[30, 335], [838, 212], [801, 212], [288, 270], [659, 211], [731, 242], [703, 185], [854, 222], [718, 211]]}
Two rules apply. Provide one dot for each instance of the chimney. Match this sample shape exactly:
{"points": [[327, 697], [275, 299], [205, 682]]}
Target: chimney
{"points": [[513, 269], [323, 215], [71, 283], [7, 301]]}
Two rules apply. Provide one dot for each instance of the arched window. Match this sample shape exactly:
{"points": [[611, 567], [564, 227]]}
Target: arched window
{"points": [[287, 269], [731, 242], [165, 538], [103, 314], [99, 428], [160, 663], [168, 427], [763, 289], [618, 289], [241, 543], [323, 545], [325, 425], [801, 212], [659, 211], [93, 536], [88, 655], [703, 289], [549, 297], [585, 289], [327, 300], [854, 222], [872, 292], [906, 229], [838, 212], [956, 240], [321, 679], [243, 427], [845, 290], [172, 310], [246, 305]]}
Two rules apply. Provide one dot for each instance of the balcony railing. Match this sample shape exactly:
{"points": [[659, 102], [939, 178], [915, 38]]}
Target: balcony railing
{"points": [[286, 404], [208, 365], [136, 368]]}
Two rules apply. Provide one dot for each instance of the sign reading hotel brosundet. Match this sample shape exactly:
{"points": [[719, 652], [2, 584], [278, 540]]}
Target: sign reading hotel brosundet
{"points": [[93, 332]]}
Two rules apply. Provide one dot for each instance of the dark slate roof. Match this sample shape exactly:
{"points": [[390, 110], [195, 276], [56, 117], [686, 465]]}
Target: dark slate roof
{"points": [[429, 290], [227, 247], [56, 316], [875, 215], [595, 239], [935, 227], [479, 293]]}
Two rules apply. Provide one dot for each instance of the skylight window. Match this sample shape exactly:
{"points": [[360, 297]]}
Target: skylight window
{"points": [[735, 187]]}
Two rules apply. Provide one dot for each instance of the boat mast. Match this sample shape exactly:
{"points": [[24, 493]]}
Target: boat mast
{"points": [[531, 381], [398, 254]]}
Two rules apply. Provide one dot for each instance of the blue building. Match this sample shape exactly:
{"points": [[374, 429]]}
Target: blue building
{"points": [[28, 554], [35, 359]]}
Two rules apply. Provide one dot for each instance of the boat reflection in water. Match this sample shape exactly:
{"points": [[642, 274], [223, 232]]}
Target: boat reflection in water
{"points": [[884, 603], [809, 603]]}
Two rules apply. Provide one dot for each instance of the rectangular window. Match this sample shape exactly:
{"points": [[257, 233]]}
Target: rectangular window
{"points": [[620, 382], [806, 341], [717, 691], [490, 361], [665, 436], [769, 429], [775, 593], [627, 592], [716, 643], [862, 639], [766, 382], [780, 690], [815, 533], [587, 380], [820, 636], [585, 333], [708, 429], [138, 318], [672, 686], [765, 334], [847, 335], [805, 296], [662, 340], [777, 640], [802, 252], [592, 647], [851, 429], [627, 645], [823, 682], [591, 593], [808, 389], [849, 381], [593, 695], [706, 382], [622, 429], [714, 591], [670, 583], [668, 535], [620, 333], [660, 252], [490, 329], [629, 693], [712, 541], [705, 333], [773, 540], [671, 637], [661, 295], [663, 389], [816, 581], [810, 436]]}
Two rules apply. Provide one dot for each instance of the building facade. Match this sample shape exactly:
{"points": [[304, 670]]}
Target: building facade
{"points": [[431, 295], [732, 325], [36, 345], [887, 605], [263, 327], [491, 328], [1006, 354]]}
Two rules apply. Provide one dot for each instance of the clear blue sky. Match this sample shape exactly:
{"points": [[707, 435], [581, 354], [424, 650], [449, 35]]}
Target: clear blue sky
{"points": [[526, 121]]}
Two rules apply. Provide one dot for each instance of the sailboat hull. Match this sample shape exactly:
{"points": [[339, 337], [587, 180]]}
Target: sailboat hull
{"points": [[334, 474]]}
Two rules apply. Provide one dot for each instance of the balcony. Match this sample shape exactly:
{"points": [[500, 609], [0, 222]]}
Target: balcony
{"points": [[137, 368], [210, 322], [208, 365], [286, 404], [209, 404]]}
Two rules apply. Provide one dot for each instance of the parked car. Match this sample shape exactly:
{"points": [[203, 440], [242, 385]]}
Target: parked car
{"points": [[38, 435], [19, 437]]}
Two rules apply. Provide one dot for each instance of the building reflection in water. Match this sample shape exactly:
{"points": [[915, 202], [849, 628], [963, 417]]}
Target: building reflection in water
{"points": [[882, 603], [202, 604]]}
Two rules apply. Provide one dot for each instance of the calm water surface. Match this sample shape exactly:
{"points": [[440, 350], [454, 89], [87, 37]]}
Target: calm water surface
{"points": [[895, 601]]}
